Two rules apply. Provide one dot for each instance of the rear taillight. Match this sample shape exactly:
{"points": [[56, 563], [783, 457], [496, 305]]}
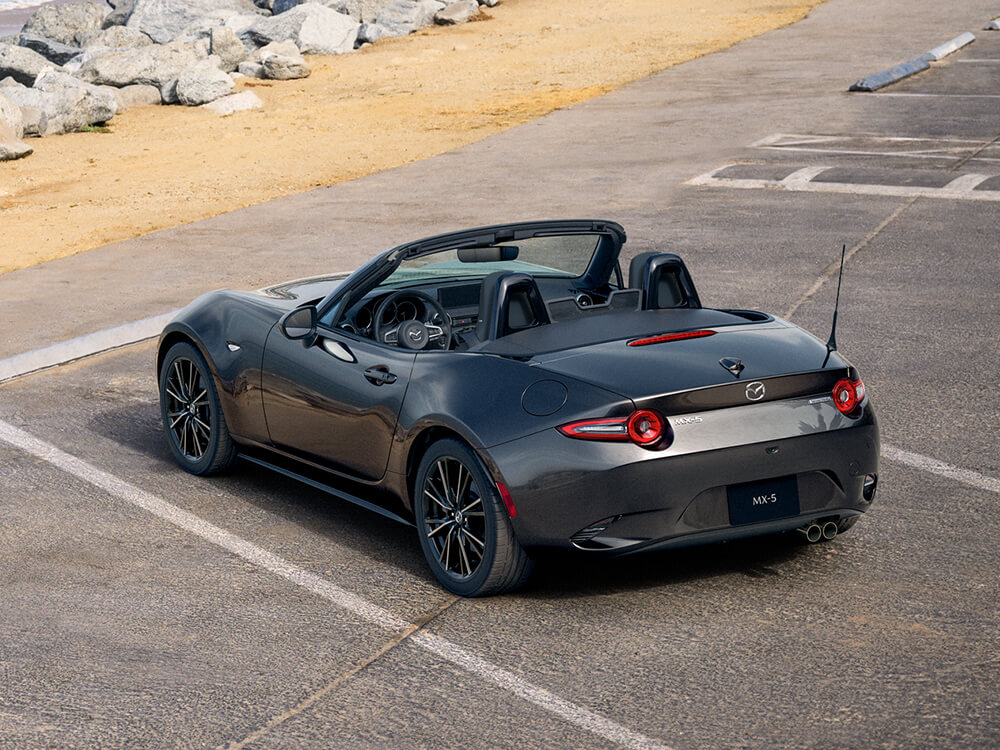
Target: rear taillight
{"points": [[848, 394], [644, 427]]}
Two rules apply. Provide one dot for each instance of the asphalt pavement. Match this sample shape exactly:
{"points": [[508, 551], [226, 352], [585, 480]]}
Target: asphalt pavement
{"points": [[124, 623]]}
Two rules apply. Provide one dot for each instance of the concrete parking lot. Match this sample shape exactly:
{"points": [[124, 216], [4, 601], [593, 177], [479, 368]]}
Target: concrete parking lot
{"points": [[140, 606]]}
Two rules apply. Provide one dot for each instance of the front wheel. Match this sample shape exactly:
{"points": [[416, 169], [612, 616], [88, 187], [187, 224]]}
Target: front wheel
{"points": [[192, 416], [464, 529]]}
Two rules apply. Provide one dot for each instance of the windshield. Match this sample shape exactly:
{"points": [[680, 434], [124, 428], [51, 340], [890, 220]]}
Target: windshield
{"points": [[565, 257]]}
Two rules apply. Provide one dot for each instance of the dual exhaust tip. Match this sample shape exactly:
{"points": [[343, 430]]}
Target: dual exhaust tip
{"points": [[815, 531]]}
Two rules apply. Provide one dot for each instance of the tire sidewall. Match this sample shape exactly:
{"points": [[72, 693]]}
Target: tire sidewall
{"points": [[204, 464], [455, 450]]}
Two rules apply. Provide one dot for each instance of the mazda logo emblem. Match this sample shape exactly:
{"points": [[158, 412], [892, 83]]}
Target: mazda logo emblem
{"points": [[755, 391], [415, 335]]}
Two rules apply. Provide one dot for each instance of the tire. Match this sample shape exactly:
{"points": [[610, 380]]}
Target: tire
{"points": [[193, 422], [469, 545]]}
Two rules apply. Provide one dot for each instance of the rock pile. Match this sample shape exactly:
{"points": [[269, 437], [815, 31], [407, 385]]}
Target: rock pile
{"points": [[75, 66]]}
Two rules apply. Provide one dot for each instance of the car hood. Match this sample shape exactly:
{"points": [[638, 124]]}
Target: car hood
{"points": [[298, 291], [766, 350]]}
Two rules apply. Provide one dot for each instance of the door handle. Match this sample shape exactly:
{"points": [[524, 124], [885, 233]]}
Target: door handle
{"points": [[379, 375]]}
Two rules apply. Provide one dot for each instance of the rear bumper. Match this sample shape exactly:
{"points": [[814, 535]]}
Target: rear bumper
{"points": [[646, 500]]}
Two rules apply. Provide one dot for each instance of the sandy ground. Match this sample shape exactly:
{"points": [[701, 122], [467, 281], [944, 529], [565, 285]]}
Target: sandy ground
{"points": [[394, 102]]}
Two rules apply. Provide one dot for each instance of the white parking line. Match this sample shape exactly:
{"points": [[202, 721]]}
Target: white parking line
{"points": [[376, 615], [83, 346], [932, 465], [906, 147], [962, 187]]}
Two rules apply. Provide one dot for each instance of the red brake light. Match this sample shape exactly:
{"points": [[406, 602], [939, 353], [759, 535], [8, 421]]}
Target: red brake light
{"points": [[663, 338], [847, 394], [644, 427]]}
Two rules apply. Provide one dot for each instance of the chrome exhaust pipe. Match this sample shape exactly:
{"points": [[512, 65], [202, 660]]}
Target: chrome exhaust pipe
{"points": [[830, 530], [813, 532]]}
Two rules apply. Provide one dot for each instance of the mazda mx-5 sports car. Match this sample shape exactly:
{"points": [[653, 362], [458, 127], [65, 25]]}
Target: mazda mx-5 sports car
{"points": [[510, 388]]}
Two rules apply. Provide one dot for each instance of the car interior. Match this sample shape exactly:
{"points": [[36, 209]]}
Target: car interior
{"points": [[472, 314]]}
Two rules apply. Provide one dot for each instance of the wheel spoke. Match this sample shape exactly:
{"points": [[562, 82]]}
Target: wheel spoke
{"points": [[466, 565], [179, 381], [464, 477], [202, 424], [445, 484], [180, 416], [174, 395], [441, 525], [432, 494], [473, 504], [474, 538]]}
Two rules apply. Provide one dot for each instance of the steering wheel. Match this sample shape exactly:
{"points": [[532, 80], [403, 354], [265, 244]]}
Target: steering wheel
{"points": [[414, 334]]}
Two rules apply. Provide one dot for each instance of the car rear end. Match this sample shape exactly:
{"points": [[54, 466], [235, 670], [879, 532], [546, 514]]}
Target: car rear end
{"points": [[753, 441]]}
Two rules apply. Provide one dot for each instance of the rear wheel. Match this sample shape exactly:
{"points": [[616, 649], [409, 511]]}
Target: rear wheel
{"points": [[192, 416], [464, 529]]}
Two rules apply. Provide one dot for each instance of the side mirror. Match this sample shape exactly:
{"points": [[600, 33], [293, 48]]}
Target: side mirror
{"points": [[299, 324]]}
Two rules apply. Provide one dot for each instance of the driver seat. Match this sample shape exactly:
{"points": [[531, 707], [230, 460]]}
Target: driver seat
{"points": [[509, 301]]}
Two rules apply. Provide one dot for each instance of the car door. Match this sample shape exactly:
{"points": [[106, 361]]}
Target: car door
{"points": [[335, 402]]}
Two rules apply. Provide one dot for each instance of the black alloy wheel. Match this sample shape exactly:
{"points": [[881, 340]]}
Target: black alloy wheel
{"points": [[192, 417], [464, 529]]}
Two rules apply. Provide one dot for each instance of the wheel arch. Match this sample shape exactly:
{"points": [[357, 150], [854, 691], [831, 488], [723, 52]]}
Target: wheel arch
{"points": [[424, 438], [177, 335]]}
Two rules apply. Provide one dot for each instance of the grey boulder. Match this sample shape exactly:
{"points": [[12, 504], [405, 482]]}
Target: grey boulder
{"points": [[11, 146], [68, 104], [281, 61], [138, 95], [164, 20], [224, 44], [457, 12], [11, 117], [362, 11], [315, 29], [236, 20], [21, 63], [251, 69], [240, 102], [67, 24], [403, 17], [157, 65], [202, 84], [116, 37], [51, 50]]}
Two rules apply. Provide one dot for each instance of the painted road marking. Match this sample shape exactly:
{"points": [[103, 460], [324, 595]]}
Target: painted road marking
{"points": [[932, 465], [376, 615], [83, 346], [874, 145], [802, 180]]}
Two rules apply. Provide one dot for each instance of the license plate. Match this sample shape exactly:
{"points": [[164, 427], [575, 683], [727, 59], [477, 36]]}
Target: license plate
{"points": [[762, 501]]}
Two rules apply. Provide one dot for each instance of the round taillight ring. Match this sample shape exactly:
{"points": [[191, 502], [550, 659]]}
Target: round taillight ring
{"points": [[645, 427], [845, 397]]}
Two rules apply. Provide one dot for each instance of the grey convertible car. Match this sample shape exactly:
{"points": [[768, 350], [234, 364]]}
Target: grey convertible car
{"points": [[510, 388]]}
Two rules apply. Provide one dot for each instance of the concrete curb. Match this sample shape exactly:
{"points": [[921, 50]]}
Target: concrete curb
{"points": [[84, 346], [908, 68]]}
